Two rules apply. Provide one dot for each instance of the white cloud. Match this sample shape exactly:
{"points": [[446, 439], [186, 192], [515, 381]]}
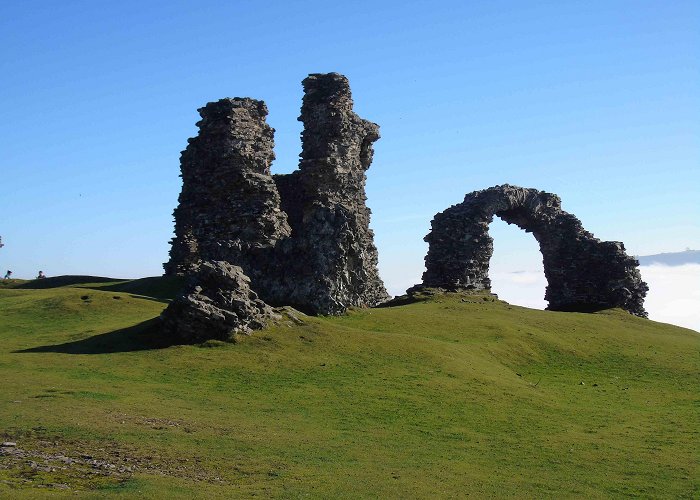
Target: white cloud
{"points": [[522, 288], [674, 291], [525, 278], [674, 294]]}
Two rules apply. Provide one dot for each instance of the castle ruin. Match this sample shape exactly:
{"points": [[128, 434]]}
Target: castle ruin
{"points": [[583, 273], [248, 240], [303, 239]]}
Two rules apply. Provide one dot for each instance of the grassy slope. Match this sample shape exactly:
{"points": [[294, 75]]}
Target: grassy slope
{"points": [[439, 398]]}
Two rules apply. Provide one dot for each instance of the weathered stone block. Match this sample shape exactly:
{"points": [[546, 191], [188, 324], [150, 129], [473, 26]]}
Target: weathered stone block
{"points": [[216, 304]]}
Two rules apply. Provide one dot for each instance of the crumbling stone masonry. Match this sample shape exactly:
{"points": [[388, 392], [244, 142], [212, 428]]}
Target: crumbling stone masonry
{"points": [[331, 257], [229, 204], [583, 273], [303, 239], [216, 304]]}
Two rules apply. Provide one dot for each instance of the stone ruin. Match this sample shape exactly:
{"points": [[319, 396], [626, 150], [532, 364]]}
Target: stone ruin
{"points": [[300, 239], [216, 304], [583, 273], [249, 240]]}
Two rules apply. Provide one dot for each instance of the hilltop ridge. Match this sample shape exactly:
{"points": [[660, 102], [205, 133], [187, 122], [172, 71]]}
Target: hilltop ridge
{"points": [[671, 258], [452, 394]]}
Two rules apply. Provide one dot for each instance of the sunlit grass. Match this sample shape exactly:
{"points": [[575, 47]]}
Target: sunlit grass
{"points": [[443, 398]]}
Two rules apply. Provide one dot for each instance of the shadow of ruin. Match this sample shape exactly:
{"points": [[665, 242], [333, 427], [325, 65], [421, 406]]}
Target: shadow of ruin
{"points": [[247, 240]]}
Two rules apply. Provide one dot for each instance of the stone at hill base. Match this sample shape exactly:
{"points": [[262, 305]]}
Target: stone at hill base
{"points": [[216, 304]]}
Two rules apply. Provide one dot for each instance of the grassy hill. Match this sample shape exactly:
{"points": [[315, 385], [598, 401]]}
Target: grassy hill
{"points": [[449, 397]]}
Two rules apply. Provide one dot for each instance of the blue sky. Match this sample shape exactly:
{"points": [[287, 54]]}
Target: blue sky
{"points": [[597, 101]]}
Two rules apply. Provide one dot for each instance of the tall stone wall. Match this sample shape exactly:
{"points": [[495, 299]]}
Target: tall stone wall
{"points": [[229, 206], [326, 203], [303, 239], [583, 273]]}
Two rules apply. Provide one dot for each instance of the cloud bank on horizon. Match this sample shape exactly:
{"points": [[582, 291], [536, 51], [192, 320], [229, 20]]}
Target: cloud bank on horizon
{"points": [[674, 294], [674, 291]]}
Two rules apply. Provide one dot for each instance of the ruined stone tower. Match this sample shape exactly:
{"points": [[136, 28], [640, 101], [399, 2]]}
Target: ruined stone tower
{"points": [[326, 203], [303, 239], [229, 204]]}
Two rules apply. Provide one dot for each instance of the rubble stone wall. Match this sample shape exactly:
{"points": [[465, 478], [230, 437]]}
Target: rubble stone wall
{"points": [[229, 205], [303, 238], [583, 273], [326, 203]]}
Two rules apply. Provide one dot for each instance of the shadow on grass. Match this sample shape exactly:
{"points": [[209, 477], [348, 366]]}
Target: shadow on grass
{"points": [[162, 288], [141, 337], [68, 280], [159, 288], [401, 300]]}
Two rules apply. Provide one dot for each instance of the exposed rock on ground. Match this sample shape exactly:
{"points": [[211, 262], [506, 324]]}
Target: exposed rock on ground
{"points": [[303, 239], [217, 304], [76, 466], [583, 273]]}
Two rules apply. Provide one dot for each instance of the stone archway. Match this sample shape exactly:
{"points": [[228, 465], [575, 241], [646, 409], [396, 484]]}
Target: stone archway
{"points": [[583, 273]]}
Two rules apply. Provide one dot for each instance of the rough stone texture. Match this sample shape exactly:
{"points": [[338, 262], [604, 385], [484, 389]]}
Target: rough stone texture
{"points": [[583, 273], [332, 252], [302, 238], [216, 304], [229, 204]]}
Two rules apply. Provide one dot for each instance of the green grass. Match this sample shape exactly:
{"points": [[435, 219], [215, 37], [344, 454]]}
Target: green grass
{"points": [[442, 398]]}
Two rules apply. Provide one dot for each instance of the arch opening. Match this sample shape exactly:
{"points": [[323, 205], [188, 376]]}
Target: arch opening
{"points": [[516, 270], [583, 273]]}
